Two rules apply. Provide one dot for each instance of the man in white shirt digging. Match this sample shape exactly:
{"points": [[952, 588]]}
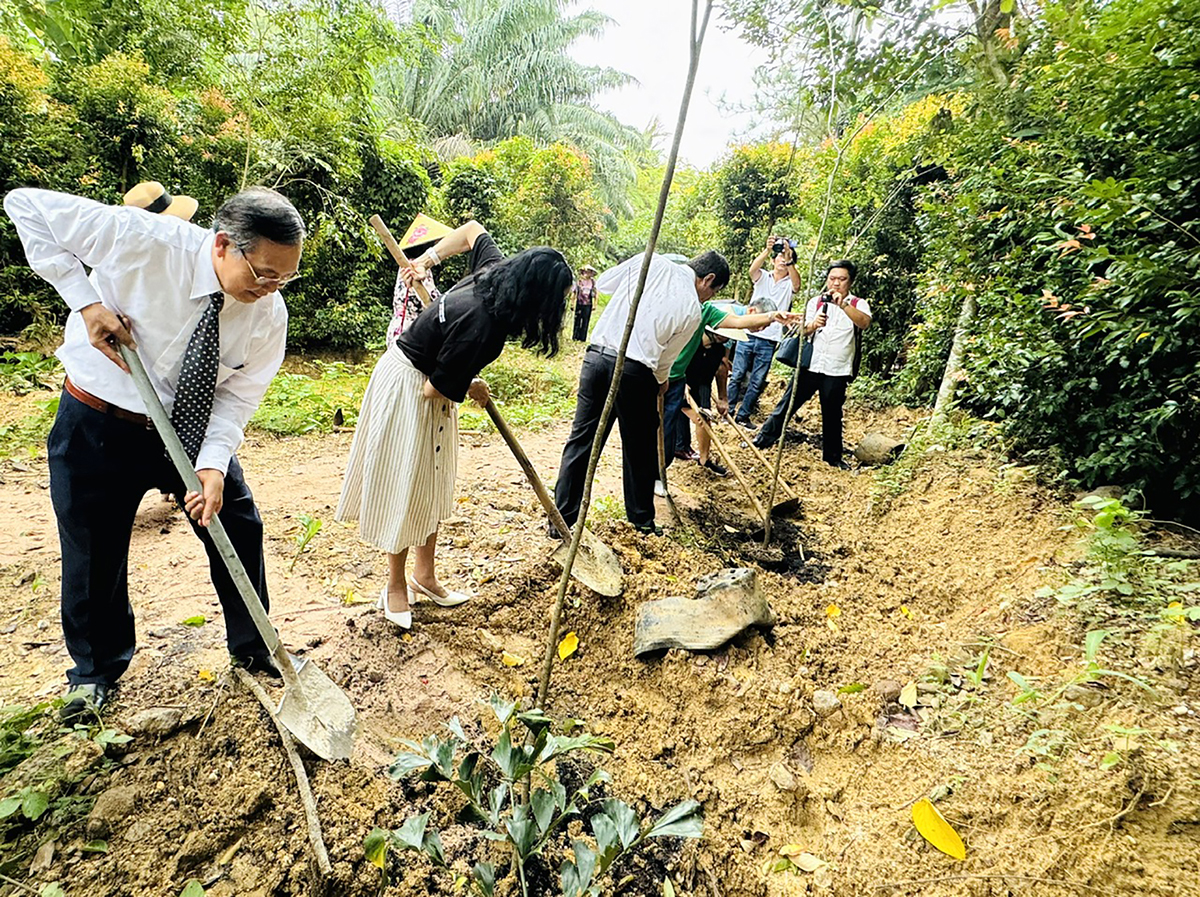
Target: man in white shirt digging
{"points": [[209, 323]]}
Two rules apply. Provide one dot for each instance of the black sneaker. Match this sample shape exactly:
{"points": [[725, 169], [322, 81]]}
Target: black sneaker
{"points": [[839, 465], [83, 703], [716, 468], [745, 424], [257, 663]]}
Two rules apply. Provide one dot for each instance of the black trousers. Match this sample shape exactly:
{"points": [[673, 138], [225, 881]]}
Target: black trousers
{"points": [[832, 391], [583, 314], [100, 467], [637, 413]]}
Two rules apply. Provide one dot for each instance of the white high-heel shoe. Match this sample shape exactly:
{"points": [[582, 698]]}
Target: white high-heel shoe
{"points": [[452, 599], [402, 618]]}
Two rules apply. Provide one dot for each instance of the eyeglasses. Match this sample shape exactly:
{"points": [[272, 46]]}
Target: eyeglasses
{"points": [[277, 282]]}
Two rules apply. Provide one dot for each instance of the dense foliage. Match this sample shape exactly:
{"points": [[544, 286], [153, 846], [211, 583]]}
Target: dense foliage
{"points": [[1040, 160]]}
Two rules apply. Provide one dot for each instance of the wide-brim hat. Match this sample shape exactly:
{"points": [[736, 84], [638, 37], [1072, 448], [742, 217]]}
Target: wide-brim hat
{"points": [[153, 197], [587, 268], [731, 333], [423, 230]]}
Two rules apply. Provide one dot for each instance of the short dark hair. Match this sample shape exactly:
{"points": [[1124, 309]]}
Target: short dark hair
{"points": [[528, 294], [259, 213], [851, 268], [711, 262]]}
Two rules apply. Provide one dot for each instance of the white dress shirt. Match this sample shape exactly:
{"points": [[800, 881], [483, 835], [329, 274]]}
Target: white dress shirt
{"points": [[771, 295], [833, 344], [157, 270], [667, 316]]}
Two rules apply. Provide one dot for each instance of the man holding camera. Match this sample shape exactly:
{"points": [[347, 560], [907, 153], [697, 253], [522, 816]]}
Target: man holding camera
{"points": [[772, 292], [834, 322]]}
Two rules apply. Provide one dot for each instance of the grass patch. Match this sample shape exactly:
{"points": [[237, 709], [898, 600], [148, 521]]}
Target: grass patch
{"points": [[28, 434], [299, 403]]}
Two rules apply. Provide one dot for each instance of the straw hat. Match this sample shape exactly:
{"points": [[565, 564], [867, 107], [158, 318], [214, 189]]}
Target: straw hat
{"points": [[153, 197], [423, 230], [586, 268], [730, 333]]}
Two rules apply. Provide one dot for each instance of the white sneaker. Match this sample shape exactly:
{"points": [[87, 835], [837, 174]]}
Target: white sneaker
{"points": [[659, 489]]}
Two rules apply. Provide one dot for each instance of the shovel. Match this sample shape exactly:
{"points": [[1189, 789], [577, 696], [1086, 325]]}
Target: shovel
{"points": [[733, 465], [781, 508], [313, 708], [595, 565]]}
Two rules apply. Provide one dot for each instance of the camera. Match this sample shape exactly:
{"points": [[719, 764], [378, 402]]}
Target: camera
{"points": [[779, 245]]}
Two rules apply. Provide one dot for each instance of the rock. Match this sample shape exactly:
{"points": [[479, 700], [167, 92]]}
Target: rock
{"points": [[111, 809], [1081, 694], [786, 780], [726, 603], [888, 690], [489, 641], [44, 858], [876, 448], [825, 702], [1104, 492], [155, 722]]}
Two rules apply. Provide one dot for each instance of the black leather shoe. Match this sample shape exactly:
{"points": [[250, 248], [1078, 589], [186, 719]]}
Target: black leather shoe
{"points": [[82, 703], [649, 529], [257, 663], [840, 465]]}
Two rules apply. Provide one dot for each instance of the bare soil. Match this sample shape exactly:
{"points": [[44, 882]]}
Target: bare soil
{"points": [[884, 595]]}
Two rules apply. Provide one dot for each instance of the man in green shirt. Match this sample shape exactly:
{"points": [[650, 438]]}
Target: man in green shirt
{"points": [[713, 317]]}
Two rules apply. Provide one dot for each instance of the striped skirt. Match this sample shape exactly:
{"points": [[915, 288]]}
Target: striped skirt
{"points": [[400, 477]]}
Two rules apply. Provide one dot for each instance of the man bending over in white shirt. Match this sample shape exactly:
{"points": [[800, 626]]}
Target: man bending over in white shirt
{"points": [[167, 288]]}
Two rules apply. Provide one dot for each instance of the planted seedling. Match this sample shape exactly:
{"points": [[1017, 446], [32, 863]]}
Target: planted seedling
{"points": [[523, 821], [308, 527]]}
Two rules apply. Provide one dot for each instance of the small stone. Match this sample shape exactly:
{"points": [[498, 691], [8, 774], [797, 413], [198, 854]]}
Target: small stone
{"points": [[986, 739], [44, 858], [784, 778], [785, 688], [155, 722], [888, 690], [1181, 710], [1081, 694], [111, 809], [490, 641], [825, 702]]}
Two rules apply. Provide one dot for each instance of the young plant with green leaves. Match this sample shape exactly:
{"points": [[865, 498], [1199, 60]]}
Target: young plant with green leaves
{"points": [[514, 792]]}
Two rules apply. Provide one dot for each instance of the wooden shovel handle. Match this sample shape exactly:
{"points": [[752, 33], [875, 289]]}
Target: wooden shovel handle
{"points": [[398, 254], [539, 487], [792, 493], [728, 458]]}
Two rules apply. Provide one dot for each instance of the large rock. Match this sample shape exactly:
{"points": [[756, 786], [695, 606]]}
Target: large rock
{"points": [[156, 722], [878, 448], [725, 604]]}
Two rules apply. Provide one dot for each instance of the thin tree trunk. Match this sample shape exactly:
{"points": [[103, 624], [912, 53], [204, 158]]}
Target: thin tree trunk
{"points": [[950, 377]]}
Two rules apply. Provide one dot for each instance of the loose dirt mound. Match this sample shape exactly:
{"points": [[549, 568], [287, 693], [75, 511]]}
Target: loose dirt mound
{"points": [[915, 593]]}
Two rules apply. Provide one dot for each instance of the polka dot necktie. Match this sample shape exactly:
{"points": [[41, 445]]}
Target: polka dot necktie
{"points": [[198, 379]]}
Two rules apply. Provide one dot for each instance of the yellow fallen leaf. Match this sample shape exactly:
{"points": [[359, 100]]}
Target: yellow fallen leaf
{"points": [[936, 830], [832, 612], [206, 675], [791, 850], [904, 610], [908, 695], [568, 646], [511, 660]]}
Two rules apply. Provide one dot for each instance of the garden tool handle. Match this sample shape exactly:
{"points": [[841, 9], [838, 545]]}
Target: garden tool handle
{"points": [[187, 472], [398, 254], [733, 465], [539, 487], [792, 493]]}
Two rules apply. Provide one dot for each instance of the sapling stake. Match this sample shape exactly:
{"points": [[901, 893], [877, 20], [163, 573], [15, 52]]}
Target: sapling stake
{"points": [[698, 26]]}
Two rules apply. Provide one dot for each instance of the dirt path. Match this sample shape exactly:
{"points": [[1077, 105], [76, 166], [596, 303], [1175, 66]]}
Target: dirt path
{"points": [[912, 594]]}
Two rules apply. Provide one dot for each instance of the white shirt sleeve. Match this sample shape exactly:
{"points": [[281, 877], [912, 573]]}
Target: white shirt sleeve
{"points": [[62, 233]]}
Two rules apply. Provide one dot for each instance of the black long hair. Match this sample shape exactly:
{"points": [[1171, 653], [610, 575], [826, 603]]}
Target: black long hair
{"points": [[528, 293]]}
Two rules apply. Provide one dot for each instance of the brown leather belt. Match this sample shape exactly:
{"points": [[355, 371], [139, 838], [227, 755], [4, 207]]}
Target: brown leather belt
{"points": [[106, 408]]}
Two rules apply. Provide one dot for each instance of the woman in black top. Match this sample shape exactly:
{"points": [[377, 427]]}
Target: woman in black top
{"points": [[400, 477]]}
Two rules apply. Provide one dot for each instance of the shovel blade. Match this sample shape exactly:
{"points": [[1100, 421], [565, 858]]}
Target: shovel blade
{"points": [[318, 713], [595, 565], [785, 508]]}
